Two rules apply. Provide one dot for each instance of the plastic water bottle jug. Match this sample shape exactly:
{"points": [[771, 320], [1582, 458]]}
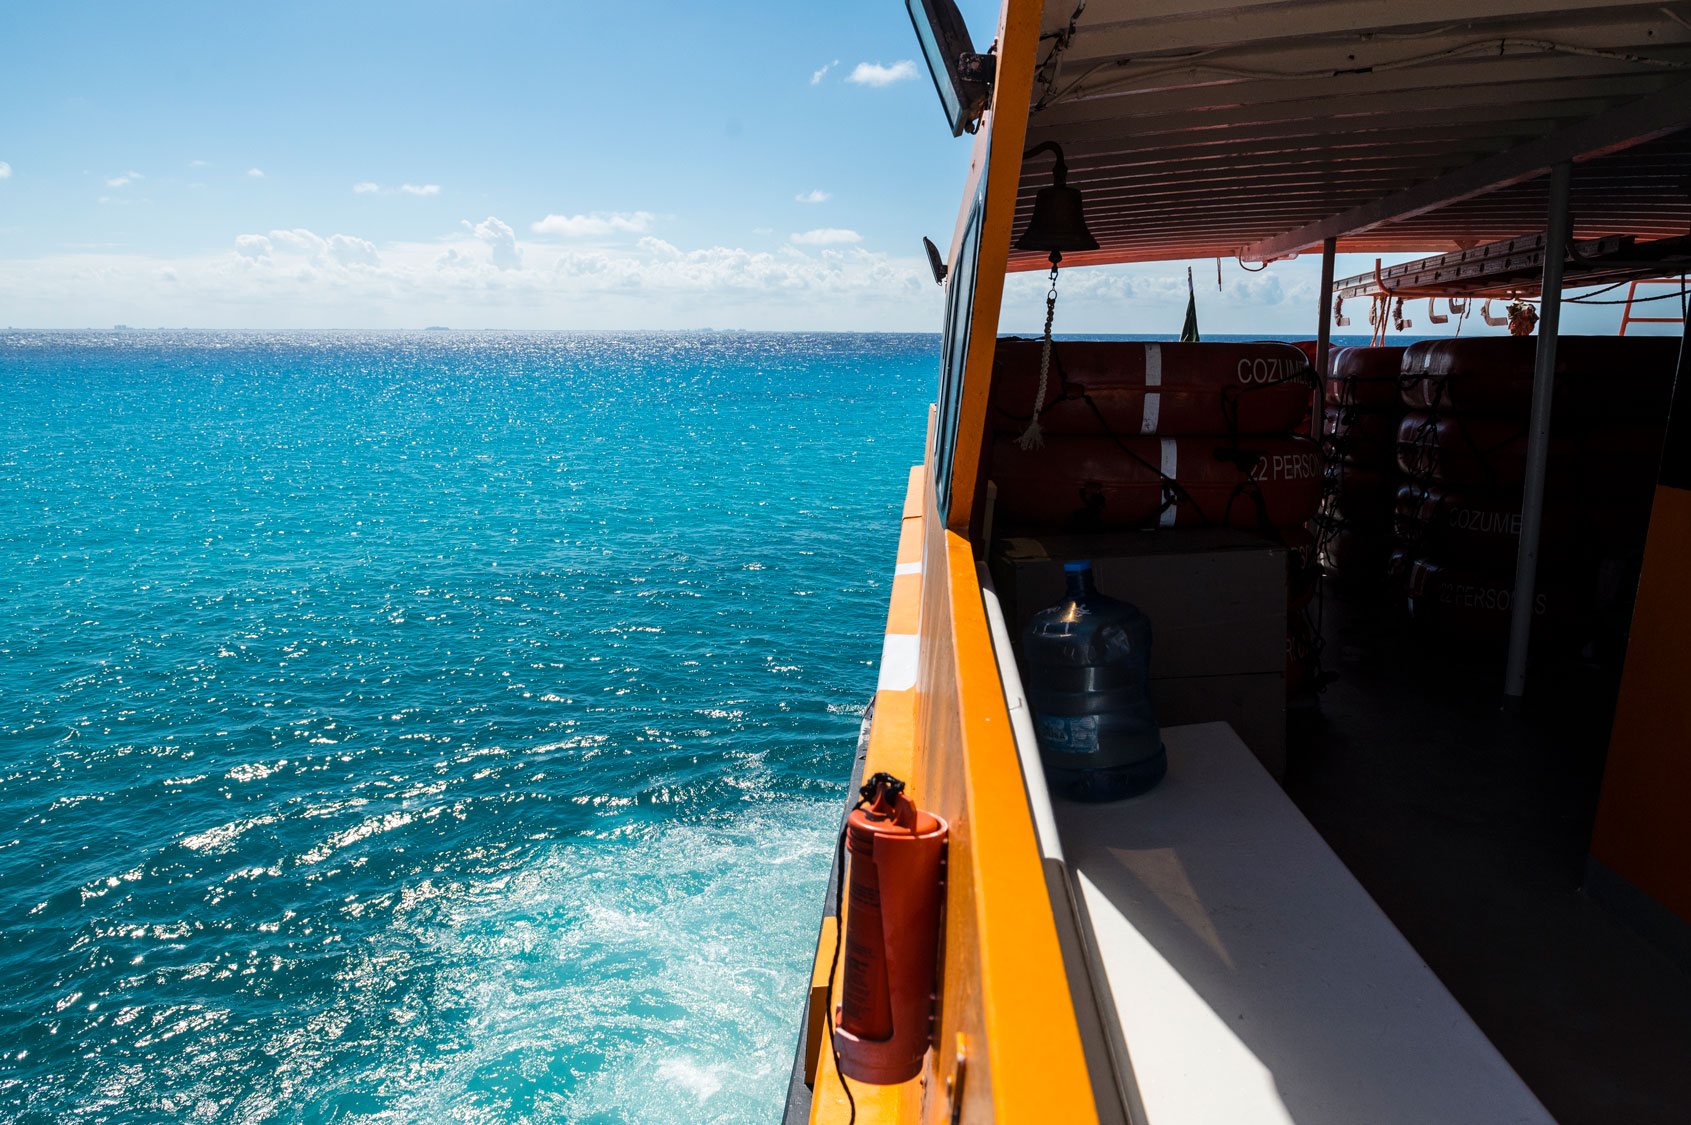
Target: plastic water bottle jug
{"points": [[1088, 674]]}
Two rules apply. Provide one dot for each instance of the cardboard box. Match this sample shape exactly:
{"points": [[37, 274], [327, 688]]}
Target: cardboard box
{"points": [[1216, 598]]}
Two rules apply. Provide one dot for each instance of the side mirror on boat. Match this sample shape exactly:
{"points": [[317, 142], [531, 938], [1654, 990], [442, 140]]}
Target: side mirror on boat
{"points": [[935, 262]]}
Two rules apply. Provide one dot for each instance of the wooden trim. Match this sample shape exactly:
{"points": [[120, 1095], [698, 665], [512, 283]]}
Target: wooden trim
{"points": [[1002, 137]]}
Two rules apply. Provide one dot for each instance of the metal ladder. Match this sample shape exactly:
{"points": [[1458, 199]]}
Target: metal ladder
{"points": [[1632, 293]]}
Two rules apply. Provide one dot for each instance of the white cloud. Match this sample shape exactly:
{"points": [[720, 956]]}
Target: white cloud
{"points": [[350, 251], [815, 196], [598, 223], [826, 236], [255, 173], [198, 163], [501, 240], [874, 74], [300, 241], [336, 250], [5, 170], [367, 187], [816, 78], [657, 246], [420, 189], [125, 178]]}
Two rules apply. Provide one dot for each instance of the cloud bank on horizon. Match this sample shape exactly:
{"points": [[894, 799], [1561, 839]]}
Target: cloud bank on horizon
{"points": [[484, 276], [604, 270]]}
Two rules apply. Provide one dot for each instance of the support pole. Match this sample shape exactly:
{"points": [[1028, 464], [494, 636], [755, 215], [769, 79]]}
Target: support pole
{"points": [[1538, 435], [1324, 322]]}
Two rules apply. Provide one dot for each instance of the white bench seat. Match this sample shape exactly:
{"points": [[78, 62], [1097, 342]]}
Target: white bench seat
{"points": [[1245, 975]]}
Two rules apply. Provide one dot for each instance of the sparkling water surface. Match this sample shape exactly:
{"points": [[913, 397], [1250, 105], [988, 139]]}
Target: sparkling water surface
{"points": [[434, 727]]}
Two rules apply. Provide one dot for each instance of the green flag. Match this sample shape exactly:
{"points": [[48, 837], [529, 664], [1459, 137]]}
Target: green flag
{"points": [[1189, 330]]}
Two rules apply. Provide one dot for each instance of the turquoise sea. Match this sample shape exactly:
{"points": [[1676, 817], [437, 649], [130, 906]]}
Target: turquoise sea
{"points": [[434, 727], [430, 727]]}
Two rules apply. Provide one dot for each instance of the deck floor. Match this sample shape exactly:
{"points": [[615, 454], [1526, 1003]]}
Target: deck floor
{"points": [[1469, 827]]}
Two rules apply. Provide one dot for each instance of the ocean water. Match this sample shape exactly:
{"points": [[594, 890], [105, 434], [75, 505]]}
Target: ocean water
{"points": [[435, 727]]}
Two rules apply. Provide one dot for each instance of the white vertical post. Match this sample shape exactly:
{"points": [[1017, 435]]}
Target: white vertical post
{"points": [[1324, 322], [1538, 434]]}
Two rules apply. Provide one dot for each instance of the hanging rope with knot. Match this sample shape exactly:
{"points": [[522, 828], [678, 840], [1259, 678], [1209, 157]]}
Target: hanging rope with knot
{"points": [[1033, 438]]}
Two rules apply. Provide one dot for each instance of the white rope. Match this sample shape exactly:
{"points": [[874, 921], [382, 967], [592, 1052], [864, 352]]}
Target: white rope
{"points": [[1033, 438]]}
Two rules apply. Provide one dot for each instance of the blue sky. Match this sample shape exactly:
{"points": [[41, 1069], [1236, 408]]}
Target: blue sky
{"points": [[661, 165]]}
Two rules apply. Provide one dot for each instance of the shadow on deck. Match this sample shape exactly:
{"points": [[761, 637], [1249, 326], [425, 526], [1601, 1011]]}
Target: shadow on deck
{"points": [[1469, 827]]}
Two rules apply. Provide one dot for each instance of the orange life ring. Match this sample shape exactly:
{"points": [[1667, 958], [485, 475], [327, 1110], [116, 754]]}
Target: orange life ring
{"points": [[1364, 377], [1598, 378], [1133, 387], [1093, 482], [1488, 453]]}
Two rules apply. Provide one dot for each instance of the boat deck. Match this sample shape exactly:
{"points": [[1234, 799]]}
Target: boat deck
{"points": [[1469, 827]]}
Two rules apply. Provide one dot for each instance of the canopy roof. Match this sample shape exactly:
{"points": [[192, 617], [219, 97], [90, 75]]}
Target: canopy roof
{"points": [[1198, 129]]}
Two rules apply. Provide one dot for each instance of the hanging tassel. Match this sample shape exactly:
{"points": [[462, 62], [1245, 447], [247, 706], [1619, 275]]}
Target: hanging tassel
{"points": [[1033, 437]]}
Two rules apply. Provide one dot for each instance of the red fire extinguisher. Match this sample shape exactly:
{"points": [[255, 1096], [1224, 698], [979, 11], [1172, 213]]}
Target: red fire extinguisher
{"points": [[896, 882]]}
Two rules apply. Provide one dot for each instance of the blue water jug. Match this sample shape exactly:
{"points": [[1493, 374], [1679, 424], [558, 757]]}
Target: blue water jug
{"points": [[1088, 672]]}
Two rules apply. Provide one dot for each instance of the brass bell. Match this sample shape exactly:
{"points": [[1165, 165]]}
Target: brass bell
{"points": [[1059, 222]]}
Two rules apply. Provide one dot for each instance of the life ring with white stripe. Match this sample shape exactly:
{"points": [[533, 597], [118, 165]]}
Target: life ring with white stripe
{"points": [[1123, 387], [1083, 482]]}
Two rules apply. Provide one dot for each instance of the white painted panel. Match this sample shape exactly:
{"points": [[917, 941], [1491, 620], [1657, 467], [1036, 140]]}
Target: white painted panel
{"points": [[899, 654]]}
